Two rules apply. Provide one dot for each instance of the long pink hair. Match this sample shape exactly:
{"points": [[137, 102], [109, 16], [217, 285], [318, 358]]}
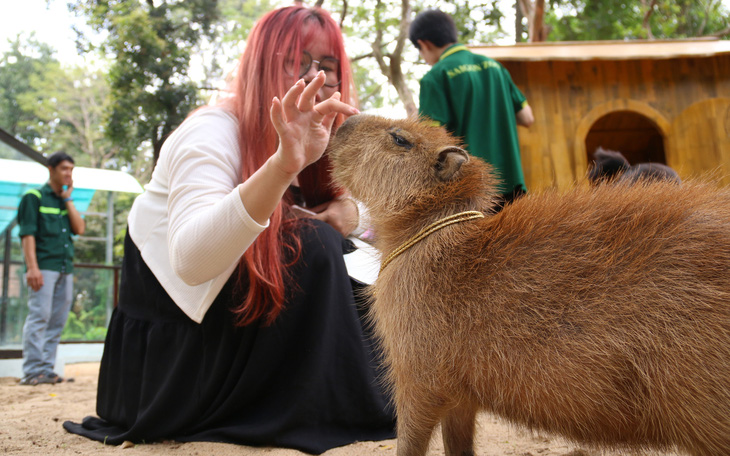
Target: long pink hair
{"points": [[279, 35]]}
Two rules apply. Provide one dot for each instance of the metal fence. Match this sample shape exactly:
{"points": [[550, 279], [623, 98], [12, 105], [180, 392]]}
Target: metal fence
{"points": [[96, 289]]}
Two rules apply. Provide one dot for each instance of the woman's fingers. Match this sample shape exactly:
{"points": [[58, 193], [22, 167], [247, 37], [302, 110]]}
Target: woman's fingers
{"points": [[334, 105], [301, 98], [329, 119], [289, 102], [276, 115], [309, 95]]}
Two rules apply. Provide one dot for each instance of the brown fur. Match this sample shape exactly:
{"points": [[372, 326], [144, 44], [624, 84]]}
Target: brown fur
{"points": [[601, 314]]}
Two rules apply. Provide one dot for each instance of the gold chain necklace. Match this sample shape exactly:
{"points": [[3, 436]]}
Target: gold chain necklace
{"points": [[450, 220]]}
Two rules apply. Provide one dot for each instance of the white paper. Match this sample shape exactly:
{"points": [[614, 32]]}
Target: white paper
{"points": [[363, 264]]}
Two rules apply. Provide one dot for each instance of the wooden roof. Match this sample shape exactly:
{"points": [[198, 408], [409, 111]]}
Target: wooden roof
{"points": [[606, 50]]}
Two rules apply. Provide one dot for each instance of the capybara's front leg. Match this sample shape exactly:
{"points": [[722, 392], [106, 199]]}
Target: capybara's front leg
{"points": [[458, 428], [417, 418]]}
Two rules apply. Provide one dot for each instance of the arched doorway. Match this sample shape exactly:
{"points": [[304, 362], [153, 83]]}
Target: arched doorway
{"points": [[608, 123], [636, 136]]}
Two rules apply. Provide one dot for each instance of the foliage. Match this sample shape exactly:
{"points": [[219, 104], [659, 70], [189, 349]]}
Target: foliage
{"points": [[238, 16], [92, 304], [576, 20], [68, 105], [150, 45], [54, 108], [91, 247], [688, 18], [85, 325], [27, 58]]}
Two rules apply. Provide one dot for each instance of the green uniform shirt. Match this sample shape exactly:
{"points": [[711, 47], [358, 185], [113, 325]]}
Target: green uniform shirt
{"points": [[475, 99], [43, 214]]}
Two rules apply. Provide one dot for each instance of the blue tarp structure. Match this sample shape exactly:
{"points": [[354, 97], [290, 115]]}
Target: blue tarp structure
{"points": [[17, 177]]}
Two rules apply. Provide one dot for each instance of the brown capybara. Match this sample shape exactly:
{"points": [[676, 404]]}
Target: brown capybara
{"points": [[601, 314]]}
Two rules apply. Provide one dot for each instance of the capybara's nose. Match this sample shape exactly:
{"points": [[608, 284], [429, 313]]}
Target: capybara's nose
{"points": [[349, 125]]}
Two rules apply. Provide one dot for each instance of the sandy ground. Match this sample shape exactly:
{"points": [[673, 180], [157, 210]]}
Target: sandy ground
{"points": [[31, 417]]}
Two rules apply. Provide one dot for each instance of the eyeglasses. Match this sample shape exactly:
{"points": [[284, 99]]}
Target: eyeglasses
{"points": [[330, 66]]}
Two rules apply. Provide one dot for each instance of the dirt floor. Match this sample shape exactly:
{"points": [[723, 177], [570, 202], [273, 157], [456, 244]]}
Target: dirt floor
{"points": [[31, 418]]}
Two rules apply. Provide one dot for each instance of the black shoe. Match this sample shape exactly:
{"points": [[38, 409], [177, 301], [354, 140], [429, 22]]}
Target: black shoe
{"points": [[37, 379], [55, 378]]}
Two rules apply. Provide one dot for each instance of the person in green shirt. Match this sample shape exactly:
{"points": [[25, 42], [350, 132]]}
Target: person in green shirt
{"points": [[47, 218], [473, 97]]}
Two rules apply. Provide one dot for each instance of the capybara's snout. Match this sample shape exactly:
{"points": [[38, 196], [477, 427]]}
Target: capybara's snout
{"points": [[349, 125]]}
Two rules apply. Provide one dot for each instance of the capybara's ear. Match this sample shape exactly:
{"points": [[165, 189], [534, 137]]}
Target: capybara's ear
{"points": [[449, 162]]}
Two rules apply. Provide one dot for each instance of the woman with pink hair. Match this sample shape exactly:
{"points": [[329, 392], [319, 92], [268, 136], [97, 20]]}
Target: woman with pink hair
{"points": [[237, 320]]}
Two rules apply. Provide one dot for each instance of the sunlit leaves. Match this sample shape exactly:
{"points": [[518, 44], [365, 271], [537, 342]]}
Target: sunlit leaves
{"points": [[26, 59], [571, 20], [150, 46]]}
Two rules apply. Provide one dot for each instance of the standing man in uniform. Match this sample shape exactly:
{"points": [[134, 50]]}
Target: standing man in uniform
{"points": [[47, 218], [473, 97]]}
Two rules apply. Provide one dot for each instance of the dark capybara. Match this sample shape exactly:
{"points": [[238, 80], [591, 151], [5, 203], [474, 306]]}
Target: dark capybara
{"points": [[611, 165], [601, 314]]}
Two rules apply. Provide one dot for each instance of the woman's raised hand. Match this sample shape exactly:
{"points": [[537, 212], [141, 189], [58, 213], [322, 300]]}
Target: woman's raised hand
{"points": [[303, 126]]}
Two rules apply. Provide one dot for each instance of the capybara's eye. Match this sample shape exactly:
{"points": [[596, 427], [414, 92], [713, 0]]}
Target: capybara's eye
{"points": [[401, 141]]}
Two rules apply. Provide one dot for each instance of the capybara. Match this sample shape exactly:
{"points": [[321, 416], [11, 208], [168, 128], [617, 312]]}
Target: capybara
{"points": [[601, 313], [611, 165]]}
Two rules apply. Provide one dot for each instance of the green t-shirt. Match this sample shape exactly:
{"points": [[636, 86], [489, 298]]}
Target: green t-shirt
{"points": [[43, 214], [475, 99]]}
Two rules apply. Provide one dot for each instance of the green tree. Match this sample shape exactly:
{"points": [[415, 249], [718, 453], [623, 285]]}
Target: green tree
{"points": [[69, 105], [218, 53], [686, 18], [578, 20], [238, 16], [26, 59], [150, 46]]}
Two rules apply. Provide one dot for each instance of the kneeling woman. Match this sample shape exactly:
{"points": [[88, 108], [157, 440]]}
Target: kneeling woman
{"points": [[236, 321]]}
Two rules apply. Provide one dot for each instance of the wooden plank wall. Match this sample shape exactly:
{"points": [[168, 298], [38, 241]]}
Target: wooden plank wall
{"points": [[688, 99]]}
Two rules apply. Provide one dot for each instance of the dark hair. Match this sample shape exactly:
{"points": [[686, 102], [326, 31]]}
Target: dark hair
{"points": [[433, 25], [56, 158]]}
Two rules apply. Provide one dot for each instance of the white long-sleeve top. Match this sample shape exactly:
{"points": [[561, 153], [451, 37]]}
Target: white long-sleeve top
{"points": [[190, 224]]}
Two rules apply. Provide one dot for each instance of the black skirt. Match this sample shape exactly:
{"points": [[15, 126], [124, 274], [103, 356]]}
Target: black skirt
{"points": [[308, 381]]}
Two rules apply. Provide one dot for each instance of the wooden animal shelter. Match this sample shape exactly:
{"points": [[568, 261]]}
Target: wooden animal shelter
{"points": [[658, 101]]}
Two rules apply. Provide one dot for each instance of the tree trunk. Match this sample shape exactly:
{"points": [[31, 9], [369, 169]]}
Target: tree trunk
{"points": [[397, 78], [393, 70], [518, 22], [649, 4], [535, 13], [343, 13], [538, 31]]}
